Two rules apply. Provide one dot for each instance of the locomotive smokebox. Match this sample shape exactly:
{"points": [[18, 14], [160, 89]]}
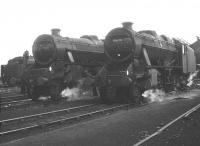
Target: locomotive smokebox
{"points": [[44, 49], [120, 43]]}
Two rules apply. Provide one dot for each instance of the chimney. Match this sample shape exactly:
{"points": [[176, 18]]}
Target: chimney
{"points": [[55, 31], [127, 25]]}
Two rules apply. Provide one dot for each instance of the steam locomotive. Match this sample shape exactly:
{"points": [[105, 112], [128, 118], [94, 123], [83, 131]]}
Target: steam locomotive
{"points": [[12, 72], [142, 60], [62, 62], [124, 65]]}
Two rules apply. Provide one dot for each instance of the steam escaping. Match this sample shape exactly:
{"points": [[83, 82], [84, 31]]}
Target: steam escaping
{"points": [[154, 95], [157, 95], [71, 94], [191, 77], [77, 94], [44, 98], [83, 90]]}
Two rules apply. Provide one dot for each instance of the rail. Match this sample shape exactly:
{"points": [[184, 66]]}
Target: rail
{"points": [[65, 119], [46, 113]]}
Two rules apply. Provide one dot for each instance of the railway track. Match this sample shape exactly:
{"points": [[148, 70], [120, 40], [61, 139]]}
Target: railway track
{"points": [[35, 122], [24, 102], [12, 104], [8, 93], [13, 98], [10, 97], [3, 86], [8, 89]]}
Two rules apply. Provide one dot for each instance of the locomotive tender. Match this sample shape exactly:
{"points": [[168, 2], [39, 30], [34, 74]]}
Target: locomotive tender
{"points": [[142, 60], [63, 62]]}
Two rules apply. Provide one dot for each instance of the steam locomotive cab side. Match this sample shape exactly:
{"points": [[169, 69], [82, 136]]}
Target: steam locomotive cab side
{"points": [[139, 61]]}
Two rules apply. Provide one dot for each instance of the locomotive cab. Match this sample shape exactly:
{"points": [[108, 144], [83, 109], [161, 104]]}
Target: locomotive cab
{"points": [[188, 59]]}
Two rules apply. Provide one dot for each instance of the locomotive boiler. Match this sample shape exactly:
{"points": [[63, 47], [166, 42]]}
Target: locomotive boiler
{"points": [[63, 62], [142, 60]]}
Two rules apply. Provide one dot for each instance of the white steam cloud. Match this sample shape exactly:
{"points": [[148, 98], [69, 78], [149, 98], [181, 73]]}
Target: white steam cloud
{"points": [[191, 77], [71, 94], [154, 95], [82, 91]]}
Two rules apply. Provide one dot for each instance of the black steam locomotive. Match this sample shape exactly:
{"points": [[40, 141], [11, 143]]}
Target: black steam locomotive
{"points": [[142, 60], [62, 62], [12, 72]]}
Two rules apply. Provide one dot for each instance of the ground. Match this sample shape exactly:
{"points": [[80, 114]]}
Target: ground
{"points": [[127, 127]]}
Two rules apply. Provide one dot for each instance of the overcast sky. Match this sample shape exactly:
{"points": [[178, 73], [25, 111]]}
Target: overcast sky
{"points": [[23, 20]]}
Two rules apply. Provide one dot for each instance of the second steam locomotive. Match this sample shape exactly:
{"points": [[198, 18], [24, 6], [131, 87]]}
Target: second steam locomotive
{"points": [[142, 60], [61, 62]]}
